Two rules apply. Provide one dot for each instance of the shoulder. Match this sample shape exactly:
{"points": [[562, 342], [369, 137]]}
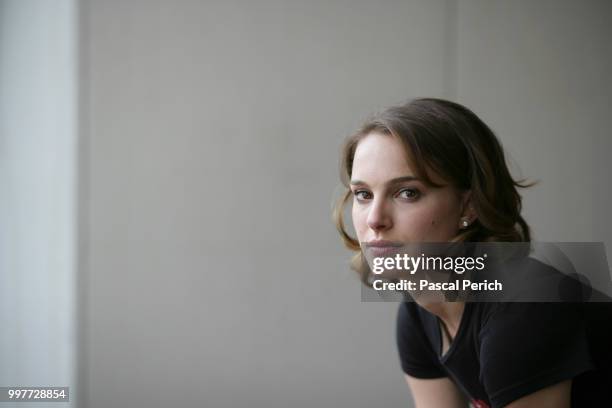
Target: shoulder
{"points": [[415, 324], [505, 326], [525, 347], [417, 355], [410, 327]]}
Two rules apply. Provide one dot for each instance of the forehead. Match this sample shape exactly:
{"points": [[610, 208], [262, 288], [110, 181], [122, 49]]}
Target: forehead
{"points": [[381, 156]]}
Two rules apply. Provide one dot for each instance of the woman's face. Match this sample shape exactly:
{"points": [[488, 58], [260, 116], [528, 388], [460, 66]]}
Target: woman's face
{"points": [[390, 204]]}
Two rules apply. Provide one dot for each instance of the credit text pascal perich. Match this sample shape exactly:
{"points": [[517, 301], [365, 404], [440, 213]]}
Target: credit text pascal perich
{"points": [[424, 284]]}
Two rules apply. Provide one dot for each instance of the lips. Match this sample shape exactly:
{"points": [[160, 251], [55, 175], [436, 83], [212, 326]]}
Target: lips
{"points": [[383, 248]]}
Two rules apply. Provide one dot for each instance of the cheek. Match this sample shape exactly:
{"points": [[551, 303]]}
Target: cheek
{"points": [[430, 223], [417, 223], [441, 227], [443, 223], [359, 222]]}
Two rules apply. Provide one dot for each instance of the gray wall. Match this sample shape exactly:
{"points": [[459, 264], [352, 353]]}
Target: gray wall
{"points": [[215, 275], [213, 130]]}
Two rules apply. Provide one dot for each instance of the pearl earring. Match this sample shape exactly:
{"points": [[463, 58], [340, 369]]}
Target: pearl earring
{"points": [[465, 223]]}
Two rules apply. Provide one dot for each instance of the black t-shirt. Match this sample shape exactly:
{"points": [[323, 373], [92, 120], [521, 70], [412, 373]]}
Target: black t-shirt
{"points": [[504, 351]]}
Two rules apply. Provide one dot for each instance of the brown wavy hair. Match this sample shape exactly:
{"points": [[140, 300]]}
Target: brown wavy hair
{"points": [[449, 139]]}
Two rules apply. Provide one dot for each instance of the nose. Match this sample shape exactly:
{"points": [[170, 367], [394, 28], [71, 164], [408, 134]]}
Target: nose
{"points": [[379, 217]]}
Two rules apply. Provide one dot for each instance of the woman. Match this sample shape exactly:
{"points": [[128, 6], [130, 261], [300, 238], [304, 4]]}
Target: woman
{"points": [[432, 171]]}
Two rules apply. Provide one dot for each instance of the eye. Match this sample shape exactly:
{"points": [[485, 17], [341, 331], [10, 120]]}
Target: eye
{"points": [[409, 194], [362, 195]]}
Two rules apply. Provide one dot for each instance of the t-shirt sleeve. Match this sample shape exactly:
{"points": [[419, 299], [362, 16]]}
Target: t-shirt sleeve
{"points": [[417, 357], [525, 347]]}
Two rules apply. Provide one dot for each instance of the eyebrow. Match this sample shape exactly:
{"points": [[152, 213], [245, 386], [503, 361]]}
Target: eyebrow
{"points": [[392, 181]]}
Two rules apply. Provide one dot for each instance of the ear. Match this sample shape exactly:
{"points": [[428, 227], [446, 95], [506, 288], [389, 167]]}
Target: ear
{"points": [[468, 214]]}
